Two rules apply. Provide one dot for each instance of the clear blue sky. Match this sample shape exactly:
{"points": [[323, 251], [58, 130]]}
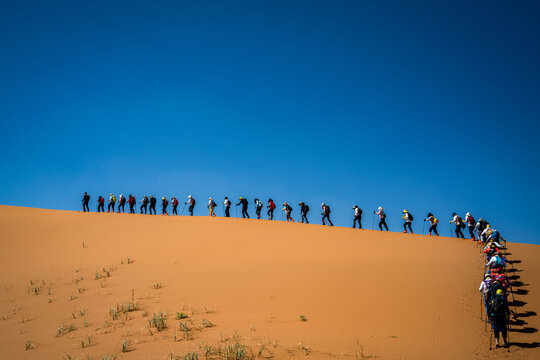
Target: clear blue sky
{"points": [[424, 105]]}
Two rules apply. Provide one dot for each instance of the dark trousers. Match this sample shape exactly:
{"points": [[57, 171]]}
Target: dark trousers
{"points": [[289, 218], [190, 209], [270, 214], [163, 209], [471, 231], [498, 323], [304, 217], [407, 224], [258, 212], [458, 232], [145, 207], [85, 207], [152, 207], [174, 209], [244, 212], [434, 229], [102, 207], [327, 217], [227, 211], [121, 206], [111, 205], [359, 219], [132, 208], [382, 223]]}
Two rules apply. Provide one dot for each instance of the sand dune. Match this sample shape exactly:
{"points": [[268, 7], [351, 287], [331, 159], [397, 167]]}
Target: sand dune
{"points": [[364, 294]]}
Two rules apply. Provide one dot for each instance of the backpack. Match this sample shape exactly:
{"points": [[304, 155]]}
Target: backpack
{"points": [[499, 261], [493, 287], [306, 209], [272, 206], [472, 222], [289, 208], [462, 225], [214, 203], [101, 200], [411, 217], [327, 209], [114, 198], [383, 215], [495, 235], [166, 202], [193, 201], [497, 305], [435, 220]]}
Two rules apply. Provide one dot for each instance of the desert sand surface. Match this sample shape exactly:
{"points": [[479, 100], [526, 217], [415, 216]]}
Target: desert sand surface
{"points": [[82, 286]]}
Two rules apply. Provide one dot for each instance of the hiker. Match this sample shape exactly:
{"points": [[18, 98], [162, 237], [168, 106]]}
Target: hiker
{"points": [[486, 234], [499, 314], [153, 202], [480, 227], [121, 203], [495, 237], [288, 210], [382, 218], [174, 203], [271, 207], [101, 204], [144, 203], [227, 203], [85, 200], [497, 261], [244, 203], [471, 223], [326, 214], [258, 207], [459, 225], [490, 250], [304, 209], [407, 216], [131, 203], [191, 202], [433, 221], [112, 201], [484, 289], [164, 204], [212, 205], [357, 217]]}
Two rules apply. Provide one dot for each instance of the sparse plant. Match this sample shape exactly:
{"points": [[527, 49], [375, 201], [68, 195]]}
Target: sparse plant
{"points": [[302, 318], [159, 321], [83, 311], [72, 297], [50, 300], [156, 285], [66, 356], [29, 345], [181, 315], [129, 261], [191, 356], [125, 345], [206, 324]]}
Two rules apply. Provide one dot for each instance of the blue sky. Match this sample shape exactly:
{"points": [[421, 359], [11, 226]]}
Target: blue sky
{"points": [[429, 106]]}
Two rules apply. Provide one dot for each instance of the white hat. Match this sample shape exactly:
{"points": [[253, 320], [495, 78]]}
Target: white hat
{"points": [[322, 204], [468, 214], [189, 196], [380, 208]]}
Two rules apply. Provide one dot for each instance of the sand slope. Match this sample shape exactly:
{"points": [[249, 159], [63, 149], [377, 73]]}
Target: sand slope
{"points": [[364, 293]]}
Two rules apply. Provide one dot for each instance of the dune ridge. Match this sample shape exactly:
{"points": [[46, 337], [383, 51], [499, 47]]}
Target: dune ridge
{"points": [[363, 293]]}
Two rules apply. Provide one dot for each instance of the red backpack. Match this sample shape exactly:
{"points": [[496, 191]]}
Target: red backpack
{"points": [[272, 206]]}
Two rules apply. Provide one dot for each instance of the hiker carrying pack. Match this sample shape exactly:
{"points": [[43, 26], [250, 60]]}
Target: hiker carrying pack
{"points": [[271, 207], [304, 209], [357, 217], [407, 216], [326, 214]]}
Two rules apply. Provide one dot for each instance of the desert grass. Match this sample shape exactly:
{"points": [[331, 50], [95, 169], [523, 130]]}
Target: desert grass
{"points": [[29, 345], [302, 318], [159, 321]]}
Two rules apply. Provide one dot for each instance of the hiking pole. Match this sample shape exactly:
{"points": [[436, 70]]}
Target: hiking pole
{"points": [[183, 207], [424, 228], [373, 222]]}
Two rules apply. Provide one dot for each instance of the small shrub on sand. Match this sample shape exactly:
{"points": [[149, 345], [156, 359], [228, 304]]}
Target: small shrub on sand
{"points": [[29, 345], [181, 315], [302, 318], [159, 321]]}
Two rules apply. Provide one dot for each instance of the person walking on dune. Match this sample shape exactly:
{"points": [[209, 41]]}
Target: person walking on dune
{"points": [[153, 202], [101, 204], [144, 203], [121, 203], [85, 200], [407, 216], [212, 205], [304, 209], [357, 217], [164, 204], [244, 203], [471, 223], [112, 202], [288, 210], [326, 214], [459, 225], [131, 203], [227, 204], [191, 202], [433, 221], [258, 207], [499, 314], [382, 218], [479, 228], [271, 207], [174, 203]]}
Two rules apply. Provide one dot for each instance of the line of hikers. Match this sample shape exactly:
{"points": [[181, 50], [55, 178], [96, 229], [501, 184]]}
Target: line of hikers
{"points": [[496, 286], [148, 205]]}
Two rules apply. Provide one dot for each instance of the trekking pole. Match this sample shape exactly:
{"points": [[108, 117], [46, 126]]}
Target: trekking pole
{"points": [[490, 337], [424, 228], [373, 221], [183, 207]]}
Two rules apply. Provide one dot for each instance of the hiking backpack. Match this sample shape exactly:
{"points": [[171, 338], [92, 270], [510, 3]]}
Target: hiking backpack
{"points": [[472, 222], [114, 198], [435, 220], [306, 209], [272, 206], [327, 209], [497, 305], [411, 217]]}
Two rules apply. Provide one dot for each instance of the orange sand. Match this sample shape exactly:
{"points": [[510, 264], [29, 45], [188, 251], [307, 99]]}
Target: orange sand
{"points": [[364, 293]]}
